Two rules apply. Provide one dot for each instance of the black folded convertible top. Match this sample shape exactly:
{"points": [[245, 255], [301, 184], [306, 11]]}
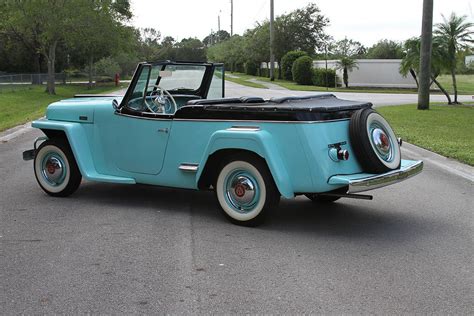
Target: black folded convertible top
{"points": [[304, 108]]}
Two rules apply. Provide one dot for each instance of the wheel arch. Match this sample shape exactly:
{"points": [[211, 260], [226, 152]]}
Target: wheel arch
{"points": [[226, 143], [75, 136]]}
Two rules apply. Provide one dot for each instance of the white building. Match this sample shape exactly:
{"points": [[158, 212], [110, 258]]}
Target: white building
{"points": [[381, 73], [468, 60]]}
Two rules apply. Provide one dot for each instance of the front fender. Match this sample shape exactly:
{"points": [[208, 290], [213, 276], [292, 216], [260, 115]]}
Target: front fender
{"points": [[260, 142], [78, 141]]}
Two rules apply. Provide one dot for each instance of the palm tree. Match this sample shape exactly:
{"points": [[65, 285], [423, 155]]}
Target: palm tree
{"points": [[455, 34], [346, 64], [411, 62]]}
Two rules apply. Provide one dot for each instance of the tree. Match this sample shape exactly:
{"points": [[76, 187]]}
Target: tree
{"points": [[348, 48], [113, 37], [386, 49], [191, 49], [411, 61], [455, 34], [301, 29], [42, 23], [215, 38], [346, 64]]}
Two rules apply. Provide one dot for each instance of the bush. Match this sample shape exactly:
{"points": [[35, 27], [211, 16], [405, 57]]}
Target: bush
{"points": [[251, 68], [302, 70], [287, 63], [107, 67], [319, 77], [264, 72]]}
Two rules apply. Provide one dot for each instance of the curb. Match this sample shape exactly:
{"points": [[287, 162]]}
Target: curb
{"points": [[450, 165], [14, 132]]}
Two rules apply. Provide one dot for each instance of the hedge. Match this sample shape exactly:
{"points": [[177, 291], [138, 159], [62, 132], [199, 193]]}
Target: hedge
{"points": [[287, 63], [319, 77], [302, 70]]}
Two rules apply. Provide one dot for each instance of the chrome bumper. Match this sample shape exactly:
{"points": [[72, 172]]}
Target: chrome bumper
{"points": [[365, 182]]}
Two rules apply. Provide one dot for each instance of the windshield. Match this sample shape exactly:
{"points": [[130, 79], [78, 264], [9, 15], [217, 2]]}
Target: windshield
{"points": [[178, 77]]}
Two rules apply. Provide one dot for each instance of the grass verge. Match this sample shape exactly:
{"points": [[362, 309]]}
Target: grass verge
{"points": [[243, 79], [446, 130], [19, 107], [465, 83]]}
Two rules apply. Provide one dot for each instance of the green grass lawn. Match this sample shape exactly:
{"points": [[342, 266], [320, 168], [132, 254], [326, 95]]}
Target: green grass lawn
{"points": [[465, 83], [446, 130], [243, 80], [20, 106]]}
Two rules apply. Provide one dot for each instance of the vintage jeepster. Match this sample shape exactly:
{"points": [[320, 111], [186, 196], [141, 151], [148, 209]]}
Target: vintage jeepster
{"points": [[173, 127]]}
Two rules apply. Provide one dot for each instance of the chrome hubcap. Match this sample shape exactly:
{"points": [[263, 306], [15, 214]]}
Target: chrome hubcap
{"points": [[242, 192], [53, 169], [382, 143]]}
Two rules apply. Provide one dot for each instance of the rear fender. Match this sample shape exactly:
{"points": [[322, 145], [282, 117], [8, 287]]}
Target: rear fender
{"points": [[257, 141]]}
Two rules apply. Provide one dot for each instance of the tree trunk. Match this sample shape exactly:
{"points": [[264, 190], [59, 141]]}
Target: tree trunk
{"points": [[425, 55], [90, 85], [51, 58], [413, 74], [442, 89], [345, 77], [455, 86]]}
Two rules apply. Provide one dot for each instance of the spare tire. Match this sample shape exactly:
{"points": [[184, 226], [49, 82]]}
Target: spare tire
{"points": [[374, 142]]}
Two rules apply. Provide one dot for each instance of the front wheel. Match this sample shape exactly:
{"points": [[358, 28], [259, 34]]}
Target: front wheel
{"points": [[246, 191], [55, 168]]}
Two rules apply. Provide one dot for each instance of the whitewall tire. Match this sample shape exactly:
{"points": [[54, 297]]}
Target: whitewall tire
{"points": [[55, 168], [245, 190]]}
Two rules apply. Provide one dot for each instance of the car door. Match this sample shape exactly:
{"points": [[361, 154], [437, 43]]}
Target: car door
{"points": [[141, 144]]}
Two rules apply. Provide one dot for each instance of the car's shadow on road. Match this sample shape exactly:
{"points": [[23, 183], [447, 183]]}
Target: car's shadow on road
{"points": [[345, 218]]}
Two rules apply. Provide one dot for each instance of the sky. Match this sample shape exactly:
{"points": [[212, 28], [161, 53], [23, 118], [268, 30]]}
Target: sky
{"points": [[366, 21]]}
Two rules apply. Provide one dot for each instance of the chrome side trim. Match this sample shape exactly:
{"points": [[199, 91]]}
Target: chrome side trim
{"points": [[189, 167], [260, 121], [385, 179], [244, 128]]}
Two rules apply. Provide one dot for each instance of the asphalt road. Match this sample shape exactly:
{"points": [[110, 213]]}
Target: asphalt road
{"points": [[142, 249]]}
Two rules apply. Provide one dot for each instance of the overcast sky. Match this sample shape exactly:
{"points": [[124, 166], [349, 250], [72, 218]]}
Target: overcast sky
{"points": [[366, 21]]}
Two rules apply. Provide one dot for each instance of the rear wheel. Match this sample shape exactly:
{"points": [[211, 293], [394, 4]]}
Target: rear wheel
{"points": [[55, 168], [374, 142], [246, 191]]}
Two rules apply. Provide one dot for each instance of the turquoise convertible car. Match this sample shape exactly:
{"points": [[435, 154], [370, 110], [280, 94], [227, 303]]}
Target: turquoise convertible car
{"points": [[174, 128]]}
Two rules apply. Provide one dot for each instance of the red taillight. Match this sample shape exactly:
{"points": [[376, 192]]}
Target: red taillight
{"points": [[342, 154]]}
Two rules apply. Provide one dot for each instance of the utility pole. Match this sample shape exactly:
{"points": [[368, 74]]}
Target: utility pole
{"points": [[425, 56], [272, 56], [231, 18], [219, 22]]}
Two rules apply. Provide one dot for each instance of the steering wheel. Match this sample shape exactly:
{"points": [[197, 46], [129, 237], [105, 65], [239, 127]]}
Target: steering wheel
{"points": [[159, 100]]}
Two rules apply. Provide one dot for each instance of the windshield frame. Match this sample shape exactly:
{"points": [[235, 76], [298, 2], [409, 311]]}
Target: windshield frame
{"points": [[201, 91]]}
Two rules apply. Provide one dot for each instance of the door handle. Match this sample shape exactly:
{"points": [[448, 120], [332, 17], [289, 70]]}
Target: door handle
{"points": [[163, 130]]}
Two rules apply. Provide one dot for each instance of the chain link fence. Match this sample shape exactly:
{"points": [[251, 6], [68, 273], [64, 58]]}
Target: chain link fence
{"points": [[26, 81]]}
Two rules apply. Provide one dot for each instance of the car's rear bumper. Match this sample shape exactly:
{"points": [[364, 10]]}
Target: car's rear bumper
{"points": [[364, 181]]}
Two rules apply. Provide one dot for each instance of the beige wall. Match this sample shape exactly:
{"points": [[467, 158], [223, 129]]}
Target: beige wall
{"points": [[373, 73]]}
